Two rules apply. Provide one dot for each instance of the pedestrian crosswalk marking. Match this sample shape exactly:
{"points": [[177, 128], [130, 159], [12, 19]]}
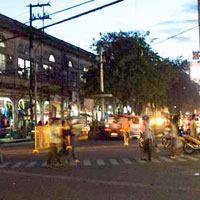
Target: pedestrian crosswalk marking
{"points": [[155, 160], [166, 159], [87, 162], [18, 164], [4, 164], [44, 164], [141, 161], [31, 164], [181, 159], [127, 161], [100, 162], [191, 158], [198, 156], [113, 161]]}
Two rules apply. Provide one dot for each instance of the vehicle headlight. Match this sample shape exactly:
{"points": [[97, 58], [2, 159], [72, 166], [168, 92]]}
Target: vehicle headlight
{"points": [[159, 121]]}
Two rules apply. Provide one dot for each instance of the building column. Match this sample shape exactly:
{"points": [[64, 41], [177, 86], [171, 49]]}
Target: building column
{"points": [[41, 103], [15, 112]]}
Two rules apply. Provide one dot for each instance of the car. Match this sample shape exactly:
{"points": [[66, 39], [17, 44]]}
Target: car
{"points": [[136, 126], [113, 126]]}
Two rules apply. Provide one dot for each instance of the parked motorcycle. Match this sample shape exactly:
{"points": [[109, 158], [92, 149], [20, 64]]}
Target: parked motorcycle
{"points": [[191, 144]]}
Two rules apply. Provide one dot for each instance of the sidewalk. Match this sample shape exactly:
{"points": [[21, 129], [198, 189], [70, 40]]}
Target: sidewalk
{"points": [[11, 140]]}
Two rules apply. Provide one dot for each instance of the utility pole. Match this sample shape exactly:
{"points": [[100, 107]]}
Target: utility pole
{"points": [[101, 83], [33, 66], [199, 20]]}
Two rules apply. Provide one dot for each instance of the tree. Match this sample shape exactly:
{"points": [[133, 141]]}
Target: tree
{"points": [[135, 75]]}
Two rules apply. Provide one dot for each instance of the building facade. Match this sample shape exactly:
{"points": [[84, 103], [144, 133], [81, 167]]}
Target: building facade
{"points": [[46, 70]]}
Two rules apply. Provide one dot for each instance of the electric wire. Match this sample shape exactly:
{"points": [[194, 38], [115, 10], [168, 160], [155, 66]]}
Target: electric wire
{"points": [[174, 36]]}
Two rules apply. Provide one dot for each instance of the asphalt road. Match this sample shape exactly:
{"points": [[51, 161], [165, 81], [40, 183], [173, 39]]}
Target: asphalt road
{"points": [[107, 171]]}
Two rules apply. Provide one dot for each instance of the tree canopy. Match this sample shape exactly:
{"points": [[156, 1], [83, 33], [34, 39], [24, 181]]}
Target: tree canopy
{"points": [[137, 76]]}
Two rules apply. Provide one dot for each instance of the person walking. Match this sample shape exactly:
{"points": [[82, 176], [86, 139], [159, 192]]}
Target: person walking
{"points": [[148, 139], [193, 127], [53, 158], [176, 142], [126, 131], [68, 142]]}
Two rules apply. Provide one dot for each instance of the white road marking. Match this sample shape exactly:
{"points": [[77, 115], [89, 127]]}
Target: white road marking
{"points": [[155, 160], [141, 161], [87, 162], [4, 164], [127, 161], [31, 164], [44, 164], [191, 158], [181, 159], [18, 164], [102, 182], [100, 162], [166, 159], [113, 161]]}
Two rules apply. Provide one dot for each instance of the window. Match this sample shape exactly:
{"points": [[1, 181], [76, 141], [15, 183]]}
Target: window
{"points": [[70, 64], [2, 44], [47, 67], [24, 68], [2, 62], [52, 58]]}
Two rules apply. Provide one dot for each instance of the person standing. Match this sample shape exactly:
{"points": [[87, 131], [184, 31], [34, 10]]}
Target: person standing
{"points": [[148, 138], [193, 128], [69, 143], [126, 131]]}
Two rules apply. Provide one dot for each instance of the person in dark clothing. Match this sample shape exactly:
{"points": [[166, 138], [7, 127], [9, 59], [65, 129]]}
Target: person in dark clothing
{"points": [[68, 142]]}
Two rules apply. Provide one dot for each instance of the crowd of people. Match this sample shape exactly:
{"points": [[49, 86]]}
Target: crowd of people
{"points": [[148, 142], [61, 143]]}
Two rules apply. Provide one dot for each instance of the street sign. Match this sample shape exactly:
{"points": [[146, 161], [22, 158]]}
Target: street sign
{"points": [[196, 55]]}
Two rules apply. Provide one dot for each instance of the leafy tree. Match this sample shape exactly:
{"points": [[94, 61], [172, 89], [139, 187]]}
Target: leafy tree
{"points": [[135, 75]]}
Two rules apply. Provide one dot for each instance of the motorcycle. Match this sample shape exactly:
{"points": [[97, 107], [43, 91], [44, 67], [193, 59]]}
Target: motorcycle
{"points": [[166, 139], [191, 144]]}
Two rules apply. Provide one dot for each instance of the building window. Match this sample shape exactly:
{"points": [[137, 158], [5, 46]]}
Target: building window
{"points": [[2, 44], [70, 64], [24, 68], [52, 58], [2, 62], [47, 67]]}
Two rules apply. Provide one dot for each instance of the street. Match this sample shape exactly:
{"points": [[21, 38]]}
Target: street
{"points": [[108, 170]]}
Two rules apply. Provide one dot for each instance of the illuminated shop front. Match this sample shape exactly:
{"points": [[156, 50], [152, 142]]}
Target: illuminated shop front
{"points": [[6, 112]]}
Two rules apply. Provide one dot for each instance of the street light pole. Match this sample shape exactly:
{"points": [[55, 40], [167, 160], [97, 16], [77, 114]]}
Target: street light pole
{"points": [[199, 20], [101, 83]]}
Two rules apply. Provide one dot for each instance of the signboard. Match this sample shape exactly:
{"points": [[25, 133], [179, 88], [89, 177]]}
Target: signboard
{"points": [[195, 55]]}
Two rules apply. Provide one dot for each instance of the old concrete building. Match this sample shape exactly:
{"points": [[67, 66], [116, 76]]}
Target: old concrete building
{"points": [[54, 80]]}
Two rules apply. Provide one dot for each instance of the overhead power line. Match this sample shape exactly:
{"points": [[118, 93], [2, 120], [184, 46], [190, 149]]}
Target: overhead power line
{"points": [[171, 37], [76, 16], [70, 7], [85, 13], [66, 9]]}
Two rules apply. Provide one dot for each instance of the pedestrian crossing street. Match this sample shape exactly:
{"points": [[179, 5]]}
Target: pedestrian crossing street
{"points": [[101, 162]]}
